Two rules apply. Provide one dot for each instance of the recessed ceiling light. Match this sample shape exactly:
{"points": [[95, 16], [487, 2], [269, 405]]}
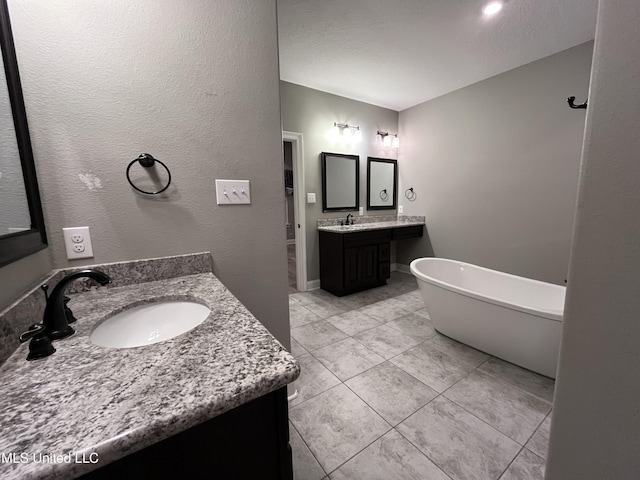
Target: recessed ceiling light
{"points": [[492, 8]]}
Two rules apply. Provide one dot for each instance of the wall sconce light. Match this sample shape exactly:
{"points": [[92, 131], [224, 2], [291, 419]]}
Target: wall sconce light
{"points": [[345, 132], [387, 139]]}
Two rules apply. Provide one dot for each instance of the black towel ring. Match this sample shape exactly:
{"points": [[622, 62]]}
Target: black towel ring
{"points": [[410, 194], [147, 160], [384, 195]]}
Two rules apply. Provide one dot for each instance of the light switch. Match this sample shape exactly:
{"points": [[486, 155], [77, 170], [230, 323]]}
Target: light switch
{"points": [[233, 192], [311, 198]]}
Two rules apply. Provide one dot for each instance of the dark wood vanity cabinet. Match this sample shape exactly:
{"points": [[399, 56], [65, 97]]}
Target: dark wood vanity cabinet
{"points": [[354, 261], [248, 442], [360, 266]]}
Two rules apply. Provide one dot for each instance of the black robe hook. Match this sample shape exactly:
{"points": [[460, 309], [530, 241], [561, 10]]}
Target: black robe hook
{"points": [[572, 105]]}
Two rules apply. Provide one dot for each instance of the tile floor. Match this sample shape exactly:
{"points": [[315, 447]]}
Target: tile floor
{"points": [[382, 395]]}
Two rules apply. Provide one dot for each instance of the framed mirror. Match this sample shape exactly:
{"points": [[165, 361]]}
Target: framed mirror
{"points": [[21, 221], [382, 183], [340, 186]]}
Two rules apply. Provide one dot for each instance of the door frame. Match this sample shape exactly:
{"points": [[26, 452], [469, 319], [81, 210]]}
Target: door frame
{"points": [[299, 213]]}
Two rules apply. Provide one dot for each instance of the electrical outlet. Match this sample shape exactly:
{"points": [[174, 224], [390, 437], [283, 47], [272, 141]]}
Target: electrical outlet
{"points": [[77, 242], [311, 198], [361, 211], [400, 209]]}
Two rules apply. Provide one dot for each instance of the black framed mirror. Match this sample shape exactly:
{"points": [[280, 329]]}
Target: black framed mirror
{"points": [[340, 182], [22, 229], [382, 183]]}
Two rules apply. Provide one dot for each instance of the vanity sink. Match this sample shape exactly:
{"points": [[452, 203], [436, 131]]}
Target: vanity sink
{"points": [[149, 323]]}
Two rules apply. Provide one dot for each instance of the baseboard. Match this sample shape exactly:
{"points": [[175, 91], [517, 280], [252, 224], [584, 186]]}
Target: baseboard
{"points": [[402, 268], [313, 284]]}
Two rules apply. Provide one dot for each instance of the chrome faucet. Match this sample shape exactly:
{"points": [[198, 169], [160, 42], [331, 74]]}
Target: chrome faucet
{"points": [[56, 313], [349, 215]]}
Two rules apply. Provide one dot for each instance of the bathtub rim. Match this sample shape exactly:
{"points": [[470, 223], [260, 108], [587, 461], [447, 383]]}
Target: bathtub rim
{"points": [[549, 315]]}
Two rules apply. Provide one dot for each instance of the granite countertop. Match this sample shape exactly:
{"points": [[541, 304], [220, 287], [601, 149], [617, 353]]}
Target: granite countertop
{"points": [[85, 398], [363, 227]]}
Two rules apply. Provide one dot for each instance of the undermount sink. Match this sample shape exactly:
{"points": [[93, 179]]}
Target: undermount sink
{"points": [[149, 323]]}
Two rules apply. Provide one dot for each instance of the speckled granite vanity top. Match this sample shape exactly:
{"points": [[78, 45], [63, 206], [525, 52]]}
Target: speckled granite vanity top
{"points": [[85, 398], [376, 225]]}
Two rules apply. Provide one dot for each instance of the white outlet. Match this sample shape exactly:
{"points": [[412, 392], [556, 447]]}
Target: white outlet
{"points": [[400, 209], [233, 192], [311, 198], [77, 242], [361, 211]]}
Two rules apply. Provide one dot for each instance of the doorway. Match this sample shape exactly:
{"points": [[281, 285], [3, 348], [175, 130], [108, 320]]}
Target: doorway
{"points": [[295, 228]]}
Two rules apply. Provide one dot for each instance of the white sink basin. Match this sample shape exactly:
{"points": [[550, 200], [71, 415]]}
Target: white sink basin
{"points": [[149, 323]]}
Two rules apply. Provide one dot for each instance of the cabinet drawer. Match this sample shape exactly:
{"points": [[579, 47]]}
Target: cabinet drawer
{"points": [[358, 239], [407, 232], [384, 252]]}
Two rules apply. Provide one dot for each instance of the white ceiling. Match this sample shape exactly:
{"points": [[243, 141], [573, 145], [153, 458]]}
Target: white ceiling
{"points": [[399, 53]]}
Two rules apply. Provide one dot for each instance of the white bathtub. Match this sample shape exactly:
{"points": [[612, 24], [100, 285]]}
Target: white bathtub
{"points": [[510, 317]]}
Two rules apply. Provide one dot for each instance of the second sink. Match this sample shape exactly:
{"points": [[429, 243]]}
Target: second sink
{"points": [[149, 323]]}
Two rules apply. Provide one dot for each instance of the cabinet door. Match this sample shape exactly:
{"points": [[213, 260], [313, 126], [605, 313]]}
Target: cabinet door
{"points": [[369, 264], [352, 261]]}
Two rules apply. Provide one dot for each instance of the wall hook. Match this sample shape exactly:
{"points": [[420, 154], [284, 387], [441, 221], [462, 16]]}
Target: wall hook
{"points": [[572, 105]]}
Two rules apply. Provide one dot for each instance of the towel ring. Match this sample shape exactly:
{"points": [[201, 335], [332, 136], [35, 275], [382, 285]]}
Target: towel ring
{"points": [[384, 195], [410, 194], [147, 161]]}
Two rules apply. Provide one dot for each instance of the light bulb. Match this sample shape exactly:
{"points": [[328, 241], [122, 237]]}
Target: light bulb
{"points": [[346, 135], [358, 136], [378, 139], [334, 132], [387, 141], [396, 141], [492, 8]]}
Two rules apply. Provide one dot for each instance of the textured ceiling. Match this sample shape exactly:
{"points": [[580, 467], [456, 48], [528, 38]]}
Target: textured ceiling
{"points": [[399, 53]]}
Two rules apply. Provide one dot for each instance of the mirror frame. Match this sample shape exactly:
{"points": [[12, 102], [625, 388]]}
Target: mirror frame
{"points": [[393, 206], [14, 246], [356, 158]]}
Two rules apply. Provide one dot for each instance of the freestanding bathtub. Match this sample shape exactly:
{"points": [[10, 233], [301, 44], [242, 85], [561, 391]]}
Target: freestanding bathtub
{"points": [[513, 318]]}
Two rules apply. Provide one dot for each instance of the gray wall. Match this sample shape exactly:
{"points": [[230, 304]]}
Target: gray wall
{"points": [[595, 430], [194, 83], [18, 277], [312, 113], [495, 168]]}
